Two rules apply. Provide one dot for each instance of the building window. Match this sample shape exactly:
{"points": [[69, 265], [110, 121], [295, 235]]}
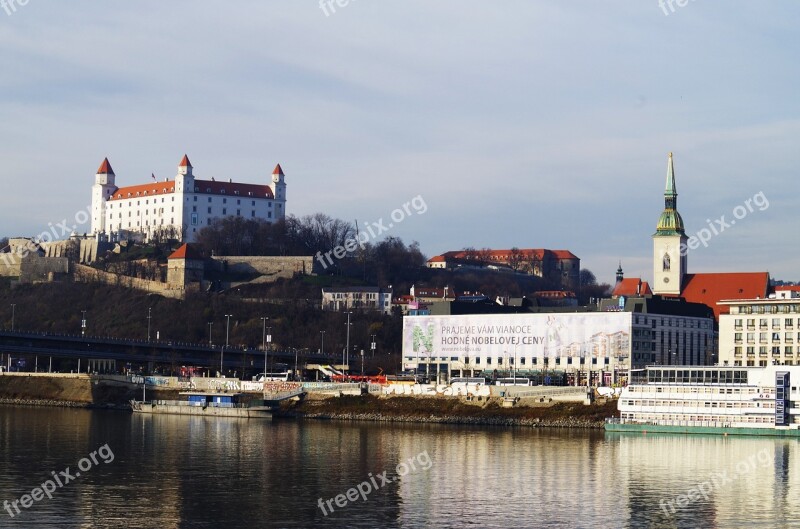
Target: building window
{"points": [[254, 203], [238, 202], [238, 212], [253, 213], [224, 200], [209, 200], [194, 209], [209, 211], [224, 211], [195, 199]]}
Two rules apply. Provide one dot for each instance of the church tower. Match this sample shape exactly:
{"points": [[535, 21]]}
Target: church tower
{"points": [[103, 188], [669, 242]]}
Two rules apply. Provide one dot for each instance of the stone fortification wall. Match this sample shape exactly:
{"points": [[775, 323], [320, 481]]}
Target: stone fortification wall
{"points": [[271, 268], [10, 265], [82, 250], [35, 269], [87, 274]]}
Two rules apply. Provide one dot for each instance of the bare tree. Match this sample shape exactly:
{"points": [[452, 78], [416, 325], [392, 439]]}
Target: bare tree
{"points": [[515, 259]]}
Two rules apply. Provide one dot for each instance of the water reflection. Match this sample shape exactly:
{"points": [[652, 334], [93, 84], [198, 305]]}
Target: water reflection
{"points": [[180, 472]]}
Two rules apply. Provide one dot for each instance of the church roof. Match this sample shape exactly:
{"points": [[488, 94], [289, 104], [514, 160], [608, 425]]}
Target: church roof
{"points": [[632, 286], [712, 287]]}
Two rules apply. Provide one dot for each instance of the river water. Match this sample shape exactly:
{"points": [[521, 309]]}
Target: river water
{"points": [[186, 472]]}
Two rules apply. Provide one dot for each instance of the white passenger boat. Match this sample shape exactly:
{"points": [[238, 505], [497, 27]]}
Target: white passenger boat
{"points": [[711, 400]]}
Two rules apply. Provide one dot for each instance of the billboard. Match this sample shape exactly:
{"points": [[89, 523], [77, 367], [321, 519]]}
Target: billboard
{"points": [[592, 334]]}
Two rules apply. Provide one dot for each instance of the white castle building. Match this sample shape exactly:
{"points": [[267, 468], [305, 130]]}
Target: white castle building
{"points": [[179, 208]]}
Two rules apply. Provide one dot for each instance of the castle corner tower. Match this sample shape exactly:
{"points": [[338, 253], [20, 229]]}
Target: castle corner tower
{"points": [[104, 186]]}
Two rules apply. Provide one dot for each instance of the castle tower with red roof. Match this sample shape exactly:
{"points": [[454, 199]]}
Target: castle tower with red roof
{"points": [[104, 186]]}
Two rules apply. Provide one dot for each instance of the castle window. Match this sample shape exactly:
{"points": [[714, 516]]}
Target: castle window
{"points": [[222, 191], [224, 211], [196, 189], [254, 203], [208, 190]]}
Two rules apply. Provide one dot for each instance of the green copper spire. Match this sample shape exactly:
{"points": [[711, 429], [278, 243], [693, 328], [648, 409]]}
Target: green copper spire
{"points": [[670, 188], [670, 222]]}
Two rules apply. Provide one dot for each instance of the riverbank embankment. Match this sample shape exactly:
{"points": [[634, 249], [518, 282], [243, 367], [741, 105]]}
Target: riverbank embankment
{"points": [[73, 390], [451, 410]]}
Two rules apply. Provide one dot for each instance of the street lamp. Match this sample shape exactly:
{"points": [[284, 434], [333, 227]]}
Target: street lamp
{"points": [[149, 316], [222, 351], [372, 345], [264, 343], [227, 328], [346, 358], [322, 346], [13, 311], [209, 332], [83, 323], [515, 364]]}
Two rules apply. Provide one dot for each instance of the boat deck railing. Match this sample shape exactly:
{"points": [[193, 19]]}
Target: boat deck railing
{"points": [[707, 424], [181, 403]]}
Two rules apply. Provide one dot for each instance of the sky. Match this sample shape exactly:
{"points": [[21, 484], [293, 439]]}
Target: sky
{"points": [[518, 123]]}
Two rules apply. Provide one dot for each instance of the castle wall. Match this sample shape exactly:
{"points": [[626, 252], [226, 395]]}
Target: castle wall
{"points": [[272, 268]]}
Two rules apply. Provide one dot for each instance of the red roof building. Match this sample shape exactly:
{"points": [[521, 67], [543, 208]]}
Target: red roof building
{"points": [[180, 207], [561, 267]]}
